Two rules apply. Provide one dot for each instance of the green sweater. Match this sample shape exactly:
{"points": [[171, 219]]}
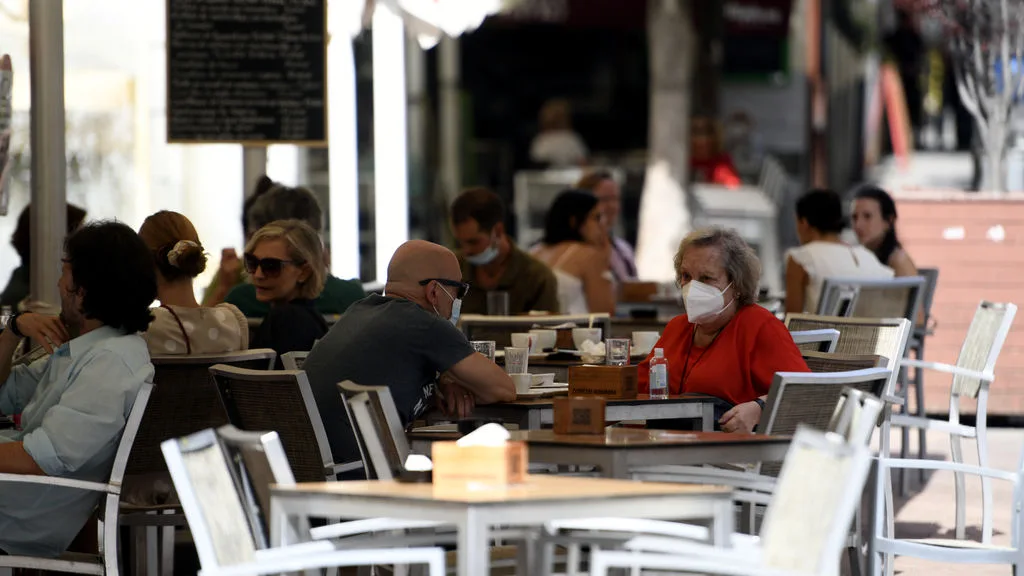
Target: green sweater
{"points": [[336, 297]]}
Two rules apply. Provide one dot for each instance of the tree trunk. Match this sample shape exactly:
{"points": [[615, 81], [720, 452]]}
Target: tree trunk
{"points": [[664, 214], [995, 148]]}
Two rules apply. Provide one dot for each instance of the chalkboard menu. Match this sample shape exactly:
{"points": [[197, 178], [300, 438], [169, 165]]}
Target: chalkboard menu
{"points": [[247, 71]]}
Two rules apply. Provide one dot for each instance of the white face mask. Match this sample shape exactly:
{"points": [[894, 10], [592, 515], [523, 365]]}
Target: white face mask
{"points": [[490, 254], [703, 302], [456, 307]]}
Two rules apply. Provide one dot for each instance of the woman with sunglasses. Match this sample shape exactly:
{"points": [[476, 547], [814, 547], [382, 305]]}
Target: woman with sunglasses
{"points": [[180, 325], [284, 260]]}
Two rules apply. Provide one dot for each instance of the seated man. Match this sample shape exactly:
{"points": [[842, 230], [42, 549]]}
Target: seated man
{"points": [[403, 340], [284, 203], [490, 260], [75, 402]]}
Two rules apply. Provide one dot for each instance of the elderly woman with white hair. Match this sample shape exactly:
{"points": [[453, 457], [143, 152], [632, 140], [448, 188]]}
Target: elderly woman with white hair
{"points": [[726, 345]]}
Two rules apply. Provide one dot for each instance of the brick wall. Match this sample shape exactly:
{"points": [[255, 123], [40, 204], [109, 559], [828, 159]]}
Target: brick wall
{"points": [[977, 243]]}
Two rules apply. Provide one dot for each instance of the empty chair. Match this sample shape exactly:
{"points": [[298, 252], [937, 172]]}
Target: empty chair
{"points": [[824, 340], [281, 400], [862, 298], [214, 500], [106, 563], [922, 330], [820, 362], [293, 360]]}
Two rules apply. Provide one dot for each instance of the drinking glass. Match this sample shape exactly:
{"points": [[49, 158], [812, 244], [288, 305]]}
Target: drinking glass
{"points": [[617, 351], [497, 303], [516, 360], [485, 347]]}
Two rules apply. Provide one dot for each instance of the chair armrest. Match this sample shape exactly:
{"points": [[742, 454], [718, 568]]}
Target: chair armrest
{"points": [[62, 482], [890, 399], [949, 467], [634, 526], [746, 545], [355, 527], [347, 467], [948, 369], [295, 559], [705, 475], [719, 564]]}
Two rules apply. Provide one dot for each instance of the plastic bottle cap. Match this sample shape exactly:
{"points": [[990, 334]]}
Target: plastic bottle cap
{"points": [[659, 353]]}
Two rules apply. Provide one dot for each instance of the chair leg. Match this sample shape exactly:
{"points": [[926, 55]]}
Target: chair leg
{"points": [[922, 434], [904, 434], [957, 453], [167, 551], [981, 439], [138, 535]]}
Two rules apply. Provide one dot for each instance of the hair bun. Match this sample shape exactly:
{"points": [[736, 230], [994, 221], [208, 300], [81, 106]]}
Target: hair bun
{"points": [[188, 257]]}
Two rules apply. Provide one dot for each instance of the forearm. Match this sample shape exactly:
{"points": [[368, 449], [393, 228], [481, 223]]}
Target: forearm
{"points": [[15, 460], [8, 344]]}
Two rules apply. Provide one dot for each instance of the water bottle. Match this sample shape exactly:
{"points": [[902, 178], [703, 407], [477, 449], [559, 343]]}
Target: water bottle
{"points": [[659, 375]]}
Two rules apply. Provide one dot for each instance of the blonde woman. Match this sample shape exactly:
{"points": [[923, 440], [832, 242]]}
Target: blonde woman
{"points": [[284, 260]]}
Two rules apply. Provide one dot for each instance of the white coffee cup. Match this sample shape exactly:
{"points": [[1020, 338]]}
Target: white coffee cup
{"points": [[546, 339], [643, 342], [546, 379], [526, 340], [581, 335], [522, 382]]}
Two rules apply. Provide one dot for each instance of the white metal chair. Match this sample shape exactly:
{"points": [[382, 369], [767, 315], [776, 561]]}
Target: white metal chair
{"points": [[824, 340], [106, 563], [958, 550], [293, 360], [224, 534], [805, 527], [867, 298], [972, 376]]}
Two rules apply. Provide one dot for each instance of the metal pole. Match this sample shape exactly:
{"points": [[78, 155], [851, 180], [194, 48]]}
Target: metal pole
{"points": [[450, 112], [49, 212], [254, 165]]}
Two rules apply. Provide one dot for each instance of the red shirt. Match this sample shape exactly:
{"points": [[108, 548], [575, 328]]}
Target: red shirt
{"points": [[716, 170], [738, 366]]}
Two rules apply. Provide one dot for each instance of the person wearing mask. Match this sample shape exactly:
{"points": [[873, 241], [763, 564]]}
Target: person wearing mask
{"points": [[75, 402], [285, 203], [490, 260], [180, 325], [874, 222], [726, 345], [18, 286], [406, 340], [622, 261], [557, 145], [576, 246], [822, 254], [285, 263]]}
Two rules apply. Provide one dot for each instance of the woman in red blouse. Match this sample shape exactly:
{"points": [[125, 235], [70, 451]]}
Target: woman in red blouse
{"points": [[726, 345]]}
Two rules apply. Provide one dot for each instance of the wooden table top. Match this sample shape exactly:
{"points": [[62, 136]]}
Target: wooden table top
{"points": [[640, 399], [535, 488], [642, 438]]}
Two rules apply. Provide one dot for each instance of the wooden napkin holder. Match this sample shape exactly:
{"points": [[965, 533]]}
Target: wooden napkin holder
{"points": [[579, 415], [490, 465], [563, 341], [614, 382], [638, 292]]}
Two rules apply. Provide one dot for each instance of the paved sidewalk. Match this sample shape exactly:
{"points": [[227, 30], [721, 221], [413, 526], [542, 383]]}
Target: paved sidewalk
{"points": [[929, 512]]}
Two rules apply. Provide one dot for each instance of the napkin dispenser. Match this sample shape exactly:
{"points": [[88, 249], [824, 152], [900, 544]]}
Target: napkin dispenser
{"points": [[485, 456], [563, 339], [614, 382], [579, 415]]}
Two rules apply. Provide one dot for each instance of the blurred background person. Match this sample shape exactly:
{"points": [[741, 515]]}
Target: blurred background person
{"points": [[709, 163], [576, 246], [180, 325], [557, 145], [18, 285], [874, 222], [622, 260]]}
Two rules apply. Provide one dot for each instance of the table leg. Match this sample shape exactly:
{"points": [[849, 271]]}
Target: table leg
{"points": [[532, 420], [286, 529], [708, 417], [471, 545], [722, 524]]}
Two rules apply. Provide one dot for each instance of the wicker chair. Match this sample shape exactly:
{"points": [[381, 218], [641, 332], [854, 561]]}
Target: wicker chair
{"points": [[184, 401], [816, 340], [500, 328], [379, 430], [106, 563], [293, 360], [863, 298], [819, 362], [282, 401]]}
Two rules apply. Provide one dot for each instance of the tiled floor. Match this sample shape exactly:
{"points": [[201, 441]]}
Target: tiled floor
{"points": [[929, 511]]}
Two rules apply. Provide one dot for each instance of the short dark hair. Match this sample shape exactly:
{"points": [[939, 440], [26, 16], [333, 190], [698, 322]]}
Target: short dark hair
{"points": [[285, 203], [479, 204], [822, 209], [22, 237], [115, 268], [566, 216]]}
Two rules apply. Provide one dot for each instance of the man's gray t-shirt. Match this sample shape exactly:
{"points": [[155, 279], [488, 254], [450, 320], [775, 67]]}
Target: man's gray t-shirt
{"points": [[381, 341]]}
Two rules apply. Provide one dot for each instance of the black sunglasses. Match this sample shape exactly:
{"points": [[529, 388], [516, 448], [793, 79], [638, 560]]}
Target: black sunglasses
{"points": [[271, 266], [462, 287]]}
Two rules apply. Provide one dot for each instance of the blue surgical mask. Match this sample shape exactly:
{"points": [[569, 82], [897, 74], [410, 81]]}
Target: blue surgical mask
{"points": [[456, 307], [486, 257]]}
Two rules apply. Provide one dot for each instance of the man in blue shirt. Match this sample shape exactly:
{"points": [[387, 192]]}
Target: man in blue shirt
{"points": [[75, 402]]}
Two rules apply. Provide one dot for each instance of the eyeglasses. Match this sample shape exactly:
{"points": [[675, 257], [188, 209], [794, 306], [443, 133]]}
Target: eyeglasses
{"points": [[462, 287], [270, 266]]}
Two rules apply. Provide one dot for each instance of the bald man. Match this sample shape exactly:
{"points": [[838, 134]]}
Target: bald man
{"points": [[405, 340]]}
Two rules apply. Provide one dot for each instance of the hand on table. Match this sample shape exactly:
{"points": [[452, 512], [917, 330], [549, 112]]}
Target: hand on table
{"points": [[48, 331], [741, 418], [453, 399]]}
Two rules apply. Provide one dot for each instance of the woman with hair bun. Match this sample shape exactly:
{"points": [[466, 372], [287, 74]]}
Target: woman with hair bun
{"points": [[819, 221], [181, 325]]}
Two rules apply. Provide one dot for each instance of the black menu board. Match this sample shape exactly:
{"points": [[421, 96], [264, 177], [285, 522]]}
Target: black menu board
{"points": [[247, 71]]}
